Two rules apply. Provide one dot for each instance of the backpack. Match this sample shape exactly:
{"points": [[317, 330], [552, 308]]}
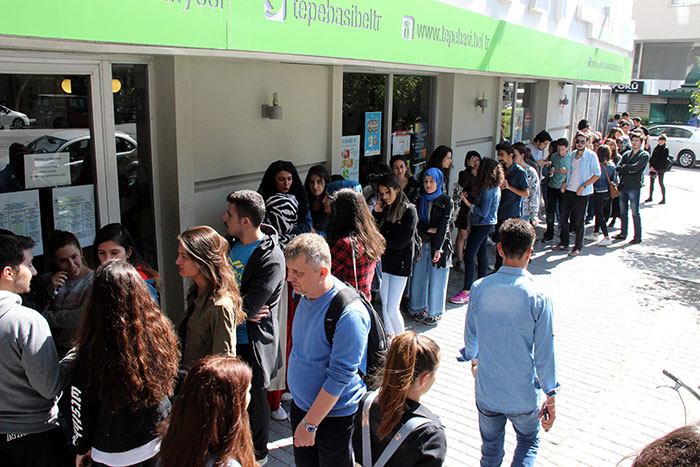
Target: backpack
{"points": [[377, 341]]}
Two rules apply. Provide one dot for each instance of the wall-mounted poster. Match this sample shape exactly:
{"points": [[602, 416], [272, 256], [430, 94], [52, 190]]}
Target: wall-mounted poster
{"points": [[400, 143], [20, 214], [373, 133], [46, 170], [350, 157], [74, 211]]}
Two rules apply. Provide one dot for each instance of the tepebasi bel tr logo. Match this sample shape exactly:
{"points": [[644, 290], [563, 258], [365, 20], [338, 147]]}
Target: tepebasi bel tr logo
{"points": [[323, 12]]}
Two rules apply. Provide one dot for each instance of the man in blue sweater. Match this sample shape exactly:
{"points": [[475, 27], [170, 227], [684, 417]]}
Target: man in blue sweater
{"points": [[509, 340], [323, 379]]}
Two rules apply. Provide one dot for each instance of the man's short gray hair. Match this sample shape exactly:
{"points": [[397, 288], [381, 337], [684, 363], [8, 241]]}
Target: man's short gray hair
{"points": [[314, 247]]}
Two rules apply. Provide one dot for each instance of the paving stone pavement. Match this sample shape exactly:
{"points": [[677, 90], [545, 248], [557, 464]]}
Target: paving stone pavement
{"points": [[622, 315]]}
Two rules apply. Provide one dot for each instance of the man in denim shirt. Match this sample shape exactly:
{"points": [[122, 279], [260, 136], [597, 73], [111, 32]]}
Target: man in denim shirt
{"points": [[513, 192], [507, 318]]}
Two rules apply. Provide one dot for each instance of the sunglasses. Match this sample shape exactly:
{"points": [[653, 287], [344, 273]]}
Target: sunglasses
{"points": [[580, 141]]}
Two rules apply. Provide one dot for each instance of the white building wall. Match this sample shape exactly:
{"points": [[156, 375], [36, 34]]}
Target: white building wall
{"points": [[657, 20], [558, 116]]}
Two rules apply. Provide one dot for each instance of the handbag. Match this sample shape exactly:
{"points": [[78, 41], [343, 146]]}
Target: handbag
{"points": [[614, 190]]}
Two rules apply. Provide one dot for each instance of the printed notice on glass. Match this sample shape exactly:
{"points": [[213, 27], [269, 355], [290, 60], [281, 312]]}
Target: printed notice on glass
{"points": [[400, 143], [46, 170], [373, 131], [350, 157], [20, 214], [74, 211]]}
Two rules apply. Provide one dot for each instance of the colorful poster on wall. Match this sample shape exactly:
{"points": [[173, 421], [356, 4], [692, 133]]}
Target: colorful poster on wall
{"points": [[400, 143], [74, 211], [20, 214], [518, 125], [46, 170], [350, 157], [373, 133]]}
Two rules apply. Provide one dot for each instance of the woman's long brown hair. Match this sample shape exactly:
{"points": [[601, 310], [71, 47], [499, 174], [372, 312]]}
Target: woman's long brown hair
{"points": [[210, 416], [410, 356], [209, 251], [127, 350], [352, 218]]}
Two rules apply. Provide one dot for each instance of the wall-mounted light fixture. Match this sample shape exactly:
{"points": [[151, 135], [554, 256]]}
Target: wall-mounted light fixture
{"points": [[564, 100], [67, 86], [483, 102], [274, 111]]}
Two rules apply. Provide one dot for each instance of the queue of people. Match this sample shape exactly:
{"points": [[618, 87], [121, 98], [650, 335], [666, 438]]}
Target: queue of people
{"points": [[252, 335]]}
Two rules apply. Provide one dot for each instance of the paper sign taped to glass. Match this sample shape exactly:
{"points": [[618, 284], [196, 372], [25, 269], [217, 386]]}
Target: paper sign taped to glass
{"points": [[46, 170]]}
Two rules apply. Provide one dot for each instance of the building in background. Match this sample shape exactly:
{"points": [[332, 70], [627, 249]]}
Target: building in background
{"points": [[165, 106]]}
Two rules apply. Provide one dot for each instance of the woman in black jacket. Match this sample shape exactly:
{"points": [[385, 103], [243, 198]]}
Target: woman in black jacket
{"points": [[430, 274], [125, 371], [397, 219], [658, 166], [411, 367]]}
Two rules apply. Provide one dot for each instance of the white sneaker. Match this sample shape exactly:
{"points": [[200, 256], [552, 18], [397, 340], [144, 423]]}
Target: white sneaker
{"points": [[262, 461], [287, 396], [279, 414], [592, 237], [605, 242]]}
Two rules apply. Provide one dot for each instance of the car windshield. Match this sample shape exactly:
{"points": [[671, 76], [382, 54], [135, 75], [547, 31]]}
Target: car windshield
{"points": [[45, 144]]}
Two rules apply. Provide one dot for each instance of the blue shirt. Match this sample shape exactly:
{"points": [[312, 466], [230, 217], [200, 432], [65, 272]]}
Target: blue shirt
{"points": [[485, 207], [315, 365], [509, 329], [238, 257], [589, 167], [512, 204]]}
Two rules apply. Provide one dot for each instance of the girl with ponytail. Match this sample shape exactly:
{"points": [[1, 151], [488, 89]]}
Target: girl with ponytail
{"points": [[410, 371]]}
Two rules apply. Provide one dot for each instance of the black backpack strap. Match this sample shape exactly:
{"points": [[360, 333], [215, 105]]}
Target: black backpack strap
{"points": [[341, 300]]}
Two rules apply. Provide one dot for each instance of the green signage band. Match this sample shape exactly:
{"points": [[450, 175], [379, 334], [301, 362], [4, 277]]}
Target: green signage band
{"points": [[413, 32]]}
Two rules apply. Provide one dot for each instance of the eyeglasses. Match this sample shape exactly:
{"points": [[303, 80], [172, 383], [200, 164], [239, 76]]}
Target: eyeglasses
{"points": [[580, 141]]}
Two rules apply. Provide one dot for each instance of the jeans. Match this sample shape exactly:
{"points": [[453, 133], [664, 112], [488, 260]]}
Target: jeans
{"points": [[571, 202], [333, 443], [631, 198], [476, 250], [258, 408], [492, 426], [391, 291], [428, 285], [600, 200]]}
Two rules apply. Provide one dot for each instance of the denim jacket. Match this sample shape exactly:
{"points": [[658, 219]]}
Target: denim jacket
{"points": [[485, 207], [589, 167]]}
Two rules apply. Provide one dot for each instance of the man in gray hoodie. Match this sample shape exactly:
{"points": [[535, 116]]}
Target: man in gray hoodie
{"points": [[32, 376]]}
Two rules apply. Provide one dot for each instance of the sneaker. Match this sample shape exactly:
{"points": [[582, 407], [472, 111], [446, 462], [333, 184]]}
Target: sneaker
{"points": [[547, 239], [592, 237], [458, 265], [430, 320], [605, 242], [620, 237], [574, 252], [286, 396], [635, 241], [262, 461], [279, 414], [420, 316], [460, 299]]}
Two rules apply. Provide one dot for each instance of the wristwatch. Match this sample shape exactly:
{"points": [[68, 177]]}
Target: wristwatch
{"points": [[309, 428]]}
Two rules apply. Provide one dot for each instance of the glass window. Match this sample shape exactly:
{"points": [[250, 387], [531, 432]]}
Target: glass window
{"points": [[507, 110], [604, 111], [133, 152], [656, 131], [593, 109], [410, 117], [517, 111]]}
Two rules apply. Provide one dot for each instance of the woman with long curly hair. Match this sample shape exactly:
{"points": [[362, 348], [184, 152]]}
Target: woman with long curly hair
{"points": [[356, 243], [281, 177], [209, 423], [125, 371], [213, 301], [441, 159], [409, 373], [484, 217]]}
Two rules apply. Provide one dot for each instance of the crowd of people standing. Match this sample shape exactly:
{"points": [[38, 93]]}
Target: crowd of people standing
{"points": [[139, 391]]}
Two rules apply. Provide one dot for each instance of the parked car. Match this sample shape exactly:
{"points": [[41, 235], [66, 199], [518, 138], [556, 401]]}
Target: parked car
{"points": [[76, 141], [13, 119], [683, 142]]}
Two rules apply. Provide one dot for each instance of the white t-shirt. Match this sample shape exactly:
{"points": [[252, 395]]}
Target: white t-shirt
{"points": [[575, 177], [537, 154]]}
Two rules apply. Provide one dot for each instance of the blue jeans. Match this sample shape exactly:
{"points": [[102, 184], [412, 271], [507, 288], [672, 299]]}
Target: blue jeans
{"points": [[391, 292], [428, 285], [476, 250], [631, 198], [492, 426]]}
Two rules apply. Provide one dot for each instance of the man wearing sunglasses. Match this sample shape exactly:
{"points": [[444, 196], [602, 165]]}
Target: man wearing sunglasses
{"points": [[583, 170]]}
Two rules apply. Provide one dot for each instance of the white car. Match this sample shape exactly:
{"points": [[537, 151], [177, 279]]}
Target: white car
{"points": [[76, 141], [13, 119], [683, 142]]}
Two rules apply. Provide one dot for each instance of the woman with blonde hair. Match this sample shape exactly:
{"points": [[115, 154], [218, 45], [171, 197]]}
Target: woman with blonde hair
{"points": [[409, 373], [213, 301], [209, 422]]}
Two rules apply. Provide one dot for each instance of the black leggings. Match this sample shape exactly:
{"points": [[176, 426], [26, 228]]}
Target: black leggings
{"points": [[600, 202], [660, 176]]}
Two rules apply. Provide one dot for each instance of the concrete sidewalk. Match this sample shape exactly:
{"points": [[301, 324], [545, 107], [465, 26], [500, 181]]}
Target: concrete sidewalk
{"points": [[622, 314]]}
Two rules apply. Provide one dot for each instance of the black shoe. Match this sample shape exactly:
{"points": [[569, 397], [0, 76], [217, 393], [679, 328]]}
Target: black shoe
{"points": [[612, 223], [635, 241], [663, 201], [547, 238], [620, 237], [648, 200]]}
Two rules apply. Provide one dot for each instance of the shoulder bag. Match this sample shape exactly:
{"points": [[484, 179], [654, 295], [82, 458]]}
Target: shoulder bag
{"points": [[614, 190]]}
